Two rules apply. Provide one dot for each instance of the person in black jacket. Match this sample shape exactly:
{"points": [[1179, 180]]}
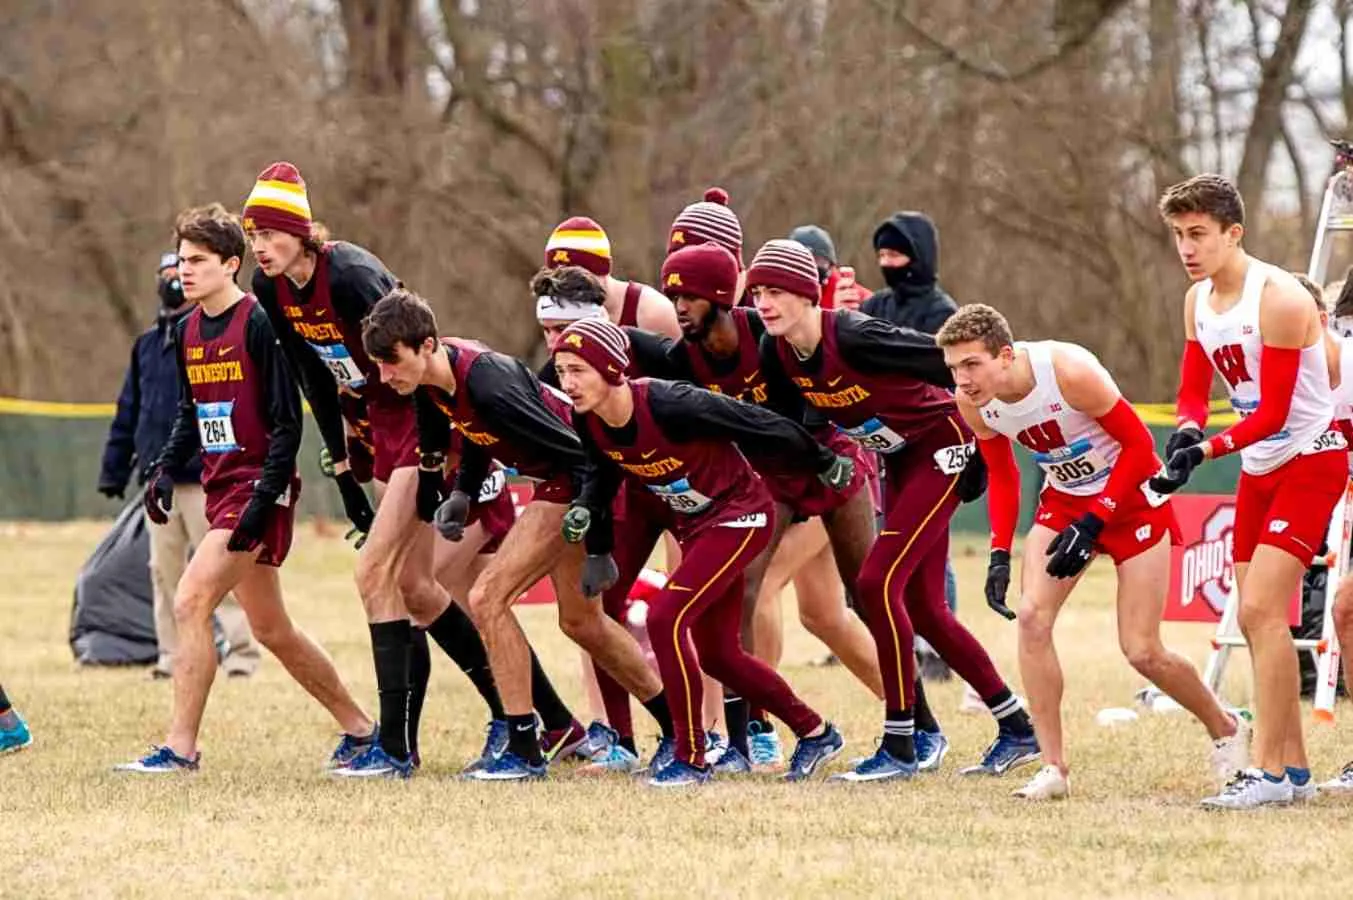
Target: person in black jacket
{"points": [[145, 416], [908, 250]]}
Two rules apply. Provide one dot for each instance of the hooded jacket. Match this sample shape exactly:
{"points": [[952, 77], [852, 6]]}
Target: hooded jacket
{"points": [[917, 301]]}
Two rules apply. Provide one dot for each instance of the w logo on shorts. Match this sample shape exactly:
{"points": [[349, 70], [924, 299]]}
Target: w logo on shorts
{"points": [[1143, 534]]}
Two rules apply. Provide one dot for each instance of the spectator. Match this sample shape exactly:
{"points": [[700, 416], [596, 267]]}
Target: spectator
{"points": [[145, 415], [908, 251], [839, 288]]}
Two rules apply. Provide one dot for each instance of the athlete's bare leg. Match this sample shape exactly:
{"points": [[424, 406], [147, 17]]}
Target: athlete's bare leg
{"points": [[1041, 598], [381, 560], [850, 530], [456, 565], [1143, 582], [1267, 582]]}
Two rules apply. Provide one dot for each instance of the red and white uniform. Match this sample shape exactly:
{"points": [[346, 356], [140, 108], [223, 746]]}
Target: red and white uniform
{"points": [[1292, 475], [1078, 456]]}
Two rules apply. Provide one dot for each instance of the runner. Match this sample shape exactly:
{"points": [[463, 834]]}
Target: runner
{"points": [[317, 293], [238, 405], [1057, 400], [505, 415], [886, 387], [579, 241], [1254, 324], [682, 443]]}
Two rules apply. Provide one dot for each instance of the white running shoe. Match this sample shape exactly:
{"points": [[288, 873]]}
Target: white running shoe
{"points": [[1250, 790], [1232, 754], [1048, 784], [1341, 783], [1303, 793]]}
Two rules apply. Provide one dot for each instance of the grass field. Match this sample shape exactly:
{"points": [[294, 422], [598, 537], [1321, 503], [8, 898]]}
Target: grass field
{"points": [[260, 819]]}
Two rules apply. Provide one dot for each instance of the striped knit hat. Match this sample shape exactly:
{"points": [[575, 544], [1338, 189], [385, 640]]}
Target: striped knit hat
{"points": [[602, 345], [579, 241], [709, 221], [278, 202], [706, 271], [787, 265]]}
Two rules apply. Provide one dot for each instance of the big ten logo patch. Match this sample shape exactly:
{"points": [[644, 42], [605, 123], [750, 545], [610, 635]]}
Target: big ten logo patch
{"points": [[194, 352], [1205, 568]]}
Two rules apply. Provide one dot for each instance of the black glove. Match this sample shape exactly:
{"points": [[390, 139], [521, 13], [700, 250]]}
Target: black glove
{"points": [[1178, 467], [576, 522], [1070, 552], [355, 504], [451, 515], [248, 533], [159, 496], [973, 483], [113, 491], [839, 473], [998, 582], [599, 573], [1184, 437], [431, 492]]}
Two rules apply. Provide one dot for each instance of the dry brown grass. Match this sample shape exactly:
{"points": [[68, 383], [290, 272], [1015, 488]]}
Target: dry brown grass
{"points": [[260, 819]]}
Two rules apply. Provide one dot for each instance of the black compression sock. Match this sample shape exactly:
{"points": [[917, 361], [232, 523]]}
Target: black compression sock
{"points": [[456, 635], [522, 739], [899, 731], [554, 713], [657, 708], [1010, 714], [735, 712], [420, 670], [925, 719], [390, 649]]}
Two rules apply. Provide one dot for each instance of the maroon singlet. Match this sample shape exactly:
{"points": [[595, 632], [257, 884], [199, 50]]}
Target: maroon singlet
{"points": [[629, 312]]}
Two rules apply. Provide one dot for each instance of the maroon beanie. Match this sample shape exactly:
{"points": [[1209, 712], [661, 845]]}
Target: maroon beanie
{"points": [[709, 221], [279, 202], [787, 265], [579, 241], [706, 271], [602, 345]]}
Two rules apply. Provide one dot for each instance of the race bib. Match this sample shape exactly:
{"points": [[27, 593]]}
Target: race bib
{"points": [[341, 365], [1330, 440], [751, 520], [1076, 465], [952, 460], [493, 486], [874, 435], [1244, 408], [682, 497], [215, 428]]}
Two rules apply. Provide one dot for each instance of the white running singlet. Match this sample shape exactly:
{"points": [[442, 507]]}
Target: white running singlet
{"points": [[1233, 343]]}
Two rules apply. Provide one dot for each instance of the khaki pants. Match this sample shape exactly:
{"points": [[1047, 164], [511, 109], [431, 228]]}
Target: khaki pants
{"points": [[169, 546]]}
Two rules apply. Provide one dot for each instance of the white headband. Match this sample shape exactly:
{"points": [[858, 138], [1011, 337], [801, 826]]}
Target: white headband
{"points": [[552, 309]]}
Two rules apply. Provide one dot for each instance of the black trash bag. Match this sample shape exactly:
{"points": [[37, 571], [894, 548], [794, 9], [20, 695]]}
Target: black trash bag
{"points": [[113, 620]]}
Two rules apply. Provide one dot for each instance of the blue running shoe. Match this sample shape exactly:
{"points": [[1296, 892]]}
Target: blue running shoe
{"points": [[662, 757], [508, 766], [374, 762], [764, 744], [614, 759], [882, 766], [495, 742], [716, 745], [16, 738], [931, 748], [731, 762], [1006, 753], [812, 752], [350, 747], [600, 738], [679, 774], [161, 761]]}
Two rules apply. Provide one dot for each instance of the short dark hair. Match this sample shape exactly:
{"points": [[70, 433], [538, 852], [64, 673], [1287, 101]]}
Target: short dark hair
{"points": [[976, 322], [569, 284], [400, 317], [1211, 195], [213, 227]]}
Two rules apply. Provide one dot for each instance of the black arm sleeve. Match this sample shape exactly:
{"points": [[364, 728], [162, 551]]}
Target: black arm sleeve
{"points": [[683, 409], [434, 427], [657, 356], [283, 406], [874, 345], [601, 481], [315, 378], [184, 439], [357, 281]]}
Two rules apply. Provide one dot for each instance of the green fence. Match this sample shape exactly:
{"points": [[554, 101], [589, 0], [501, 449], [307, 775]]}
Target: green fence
{"points": [[50, 455]]}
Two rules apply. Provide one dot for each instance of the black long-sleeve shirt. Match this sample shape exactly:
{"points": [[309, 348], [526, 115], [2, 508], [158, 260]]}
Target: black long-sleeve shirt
{"points": [[283, 413], [685, 413], [357, 280]]}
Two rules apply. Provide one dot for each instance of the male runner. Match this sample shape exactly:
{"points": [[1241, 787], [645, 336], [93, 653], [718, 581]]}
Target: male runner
{"points": [[720, 352], [14, 734], [1096, 453], [886, 387], [1254, 324], [317, 293], [580, 241], [240, 408], [504, 414], [679, 443]]}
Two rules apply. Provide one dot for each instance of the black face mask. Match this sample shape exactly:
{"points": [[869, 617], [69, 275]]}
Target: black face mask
{"points": [[824, 274], [896, 276], [171, 293]]}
